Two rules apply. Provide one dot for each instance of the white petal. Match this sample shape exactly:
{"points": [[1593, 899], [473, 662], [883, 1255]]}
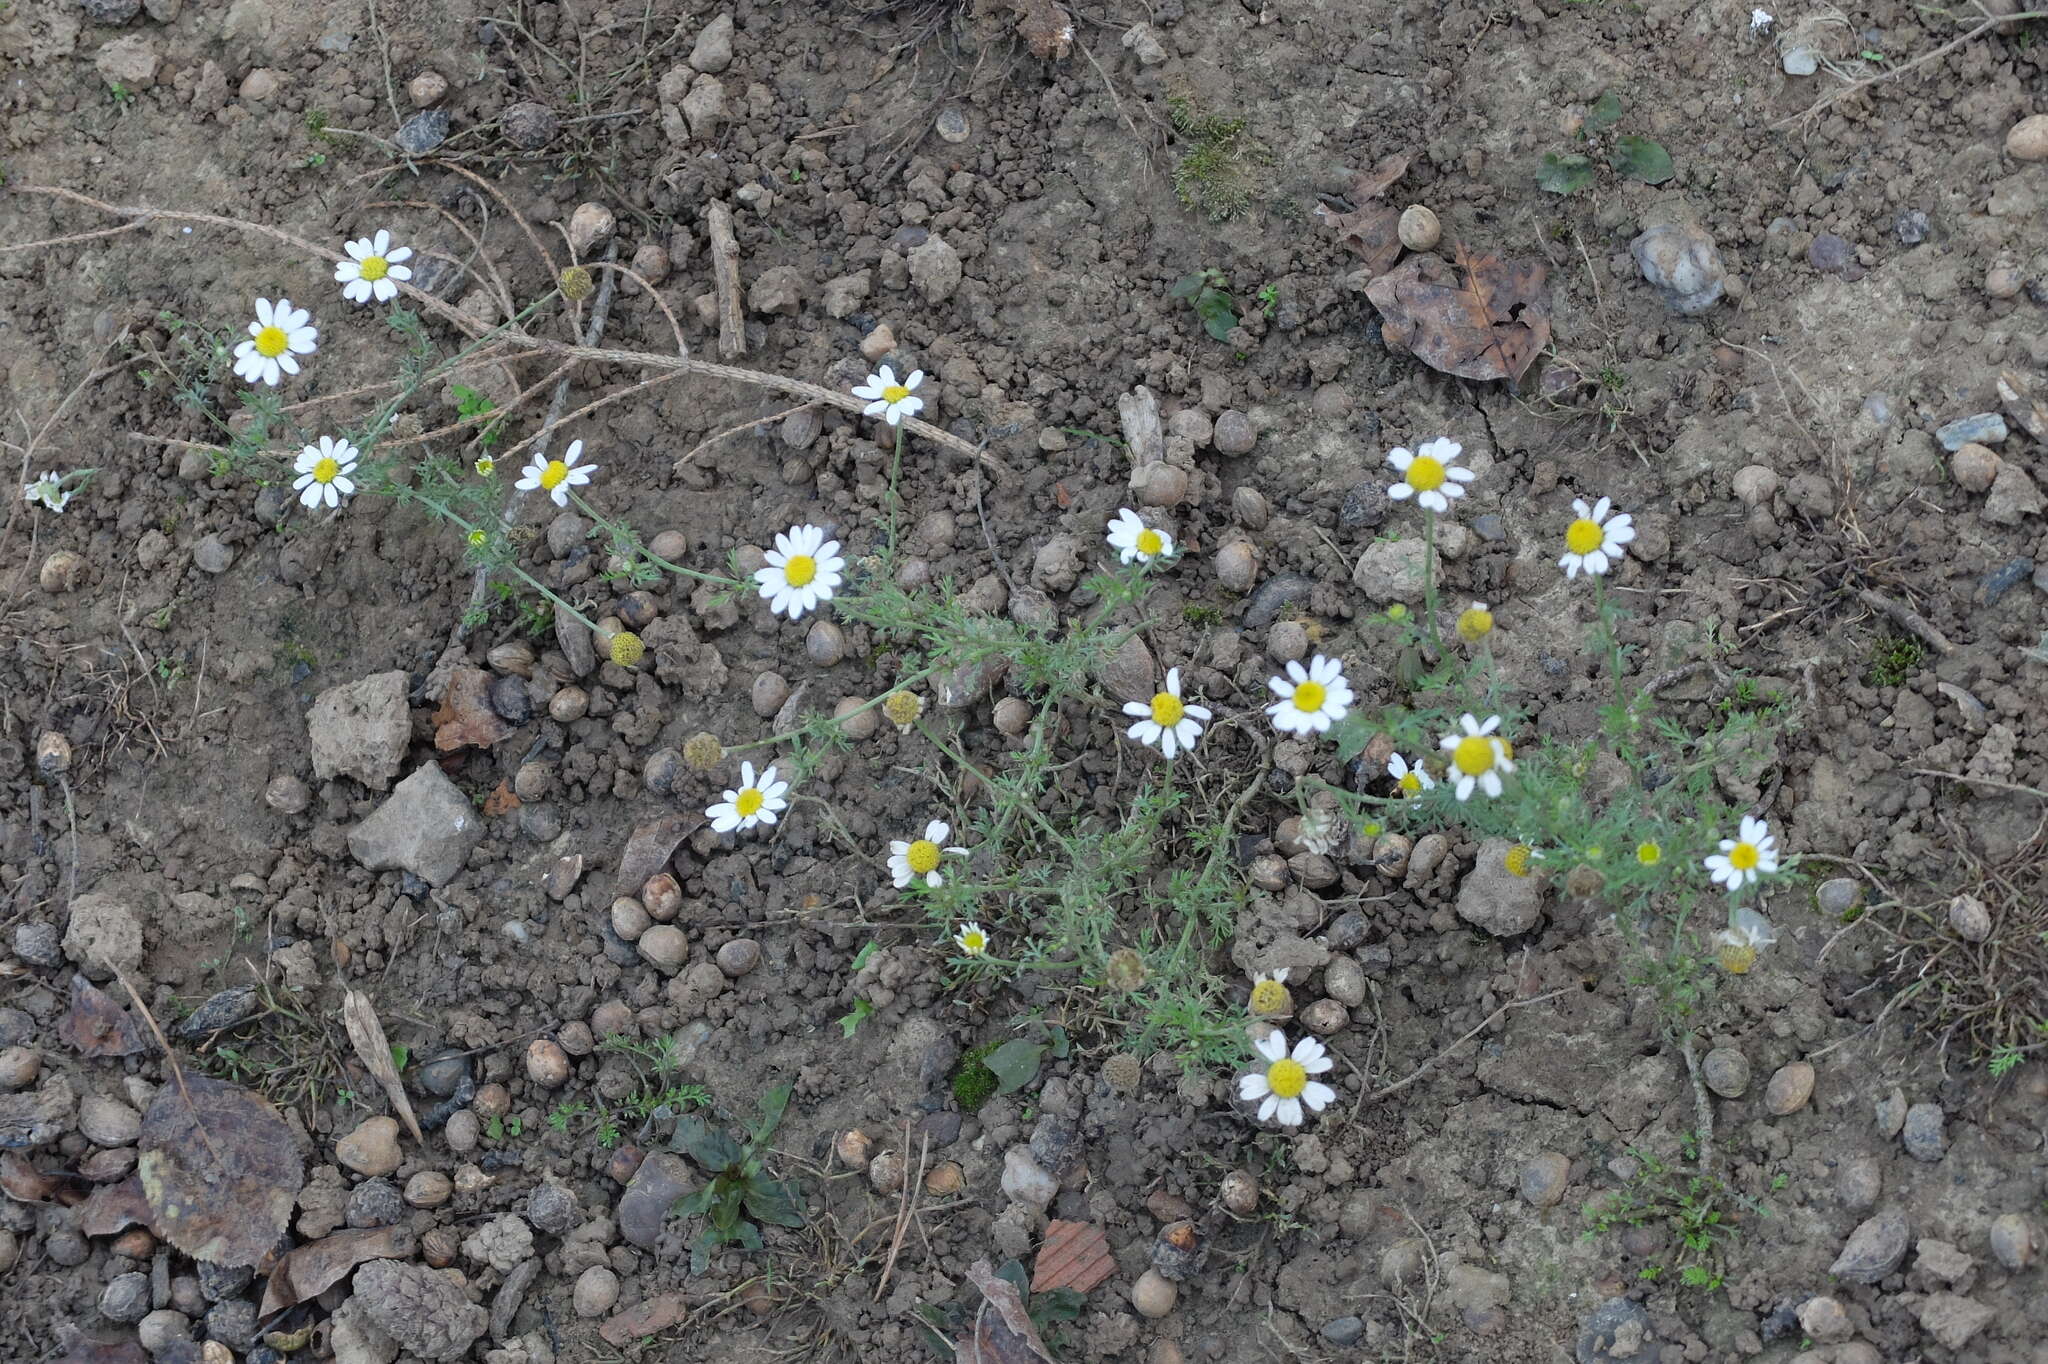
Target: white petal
{"points": [[1251, 1087], [1273, 1045], [1400, 458], [1400, 492], [1266, 1109], [1290, 1112], [1318, 1095]]}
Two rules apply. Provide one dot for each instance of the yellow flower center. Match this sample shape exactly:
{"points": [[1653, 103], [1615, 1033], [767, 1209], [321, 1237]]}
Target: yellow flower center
{"points": [[1519, 859], [1269, 996], [922, 856], [1649, 854], [375, 268], [974, 942], [1309, 696], [1150, 541], [1425, 475], [486, 466], [478, 539], [749, 801], [1167, 710], [627, 648], [1474, 755], [1583, 536], [271, 342], [554, 475], [1743, 857], [1474, 624], [1411, 783], [800, 570], [1736, 957], [895, 393], [1287, 1078], [326, 470]]}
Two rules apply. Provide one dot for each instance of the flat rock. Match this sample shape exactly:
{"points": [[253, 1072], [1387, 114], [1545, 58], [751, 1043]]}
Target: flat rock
{"points": [[1494, 898], [1875, 1248], [1924, 1132], [1952, 1319], [1391, 571], [1544, 1177], [1983, 428], [2014, 496], [360, 729], [104, 933], [935, 269], [661, 1179], [427, 827], [1618, 1332]]}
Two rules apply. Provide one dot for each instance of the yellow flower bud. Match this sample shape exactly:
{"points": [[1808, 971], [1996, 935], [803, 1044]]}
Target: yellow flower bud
{"points": [[577, 284], [703, 752], [1736, 957], [903, 708], [1270, 998], [1475, 623], [627, 648], [1520, 860]]}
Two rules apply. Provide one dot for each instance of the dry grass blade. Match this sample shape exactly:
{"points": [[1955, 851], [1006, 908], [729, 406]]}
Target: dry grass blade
{"points": [[366, 1034]]}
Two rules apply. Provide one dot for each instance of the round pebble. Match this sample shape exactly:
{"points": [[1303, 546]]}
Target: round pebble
{"points": [[18, 1067], [125, 1298], [952, 125], [62, 572], [597, 1289], [1544, 1178], [1726, 1072], [665, 948], [1013, 715], [156, 1331], [1924, 1132], [2013, 1241], [547, 1065], [1419, 228], [1974, 468], [429, 1188], [529, 126], [1789, 1089], [426, 89], [825, 645], [1839, 894], [739, 956], [1235, 434], [1237, 566], [1287, 641], [2028, 139], [1755, 484], [630, 918], [1153, 1294], [770, 691]]}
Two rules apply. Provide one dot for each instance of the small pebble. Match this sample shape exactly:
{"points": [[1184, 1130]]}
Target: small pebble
{"points": [[1153, 1294], [1974, 467], [665, 948], [1891, 1112], [770, 691], [1985, 428], [1924, 1132], [1726, 1072], [1419, 229], [1829, 254], [426, 89], [2012, 1241], [1789, 1089], [739, 957], [2028, 139], [597, 1289], [423, 132], [1755, 484], [952, 124], [1801, 61], [547, 1065], [1911, 227], [1235, 434], [1544, 1178], [1838, 895], [1237, 566]]}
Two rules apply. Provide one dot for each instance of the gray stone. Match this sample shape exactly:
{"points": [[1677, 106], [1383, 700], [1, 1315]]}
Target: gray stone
{"points": [[1343, 1331], [704, 109], [1891, 1112], [778, 289], [1910, 226], [2013, 497], [952, 125], [233, 1323], [529, 126], [842, 296], [713, 51], [104, 933], [1275, 595], [552, 1209], [1952, 1319], [1875, 1248], [1829, 254], [1860, 1183], [114, 12], [1391, 571], [360, 729], [661, 1179], [1544, 1178], [1617, 1332], [423, 132], [1824, 1319], [1365, 506], [212, 555], [374, 1203], [1682, 264], [1985, 428], [427, 827], [1025, 1180], [1494, 898], [1234, 433], [2012, 1240], [1925, 1139], [935, 269], [1838, 895], [1801, 61], [125, 1298], [39, 943]]}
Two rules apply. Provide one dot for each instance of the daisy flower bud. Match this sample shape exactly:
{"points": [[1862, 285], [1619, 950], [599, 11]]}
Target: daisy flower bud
{"points": [[1475, 623], [1270, 995], [627, 648], [902, 709], [703, 751], [576, 283], [1126, 969]]}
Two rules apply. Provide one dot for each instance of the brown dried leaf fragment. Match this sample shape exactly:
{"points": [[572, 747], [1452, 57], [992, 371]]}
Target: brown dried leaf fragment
{"points": [[465, 718], [1480, 318], [366, 1034], [24, 1183], [1045, 26], [116, 1207], [312, 1269], [95, 1025], [1003, 1333], [220, 1170], [1373, 229]]}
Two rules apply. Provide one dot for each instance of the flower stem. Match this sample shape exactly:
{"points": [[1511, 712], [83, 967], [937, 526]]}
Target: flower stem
{"points": [[895, 472], [448, 514], [1429, 577]]}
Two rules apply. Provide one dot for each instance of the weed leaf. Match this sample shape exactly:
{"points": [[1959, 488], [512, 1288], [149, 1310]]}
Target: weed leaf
{"points": [[1642, 159], [1015, 1064], [1564, 174], [1605, 113]]}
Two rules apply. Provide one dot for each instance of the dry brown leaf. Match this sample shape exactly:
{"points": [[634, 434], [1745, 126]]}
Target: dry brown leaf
{"points": [[651, 1317], [1373, 229], [1075, 1255], [24, 1183], [501, 801], [1480, 318], [650, 847], [312, 1269], [1003, 1333], [115, 1208], [367, 1035], [1045, 26], [220, 1170], [95, 1025], [465, 719]]}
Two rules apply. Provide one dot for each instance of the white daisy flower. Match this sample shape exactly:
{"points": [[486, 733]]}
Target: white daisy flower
{"points": [[1284, 1085], [1751, 854], [918, 859], [1478, 756], [1412, 780], [1747, 933], [1312, 698], [372, 269], [971, 940], [1166, 720], [48, 490], [891, 401], [323, 472], [279, 334], [1132, 539], [1595, 541], [753, 801], [556, 476], [803, 570], [1429, 476]]}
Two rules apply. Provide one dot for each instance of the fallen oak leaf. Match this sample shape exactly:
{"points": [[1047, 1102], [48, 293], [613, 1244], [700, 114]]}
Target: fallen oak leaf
{"points": [[1482, 318], [95, 1025], [310, 1270], [219, 1168], [1373, 229]]}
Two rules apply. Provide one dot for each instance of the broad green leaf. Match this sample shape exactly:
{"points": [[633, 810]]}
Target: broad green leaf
{"points": [[1186, 288], [1605, 113], [1015, 1064], [1643, 159], [1217, 314], [1564, 174], [772, 1107], [771, 1201], [705, 1144], [1012, 1273]]}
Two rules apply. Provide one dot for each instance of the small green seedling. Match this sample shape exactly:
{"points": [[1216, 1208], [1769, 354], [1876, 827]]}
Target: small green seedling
{"points": [[739, 1193], [1629, 154], [1207, 292]]}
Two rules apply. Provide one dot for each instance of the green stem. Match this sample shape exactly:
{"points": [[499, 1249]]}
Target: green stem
{"points": [[867, 705], [448, 514], [1610, 639], [987, 781], [1429, 577], [618, 529], [895, 472]]}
